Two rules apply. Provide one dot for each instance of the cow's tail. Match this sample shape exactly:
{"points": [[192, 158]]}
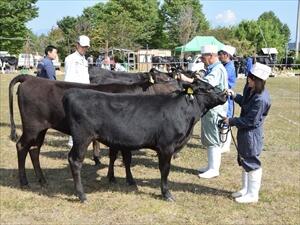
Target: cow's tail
{"points": [[17, 79]]}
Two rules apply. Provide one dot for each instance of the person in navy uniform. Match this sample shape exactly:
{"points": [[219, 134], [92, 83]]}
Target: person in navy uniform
{"points": [[45, 68], [225, 56], [255, 105]]}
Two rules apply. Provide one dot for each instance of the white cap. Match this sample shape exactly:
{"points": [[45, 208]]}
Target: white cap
{"points": [[261, 71], [229, 49], [208, 49], [83, 41]]}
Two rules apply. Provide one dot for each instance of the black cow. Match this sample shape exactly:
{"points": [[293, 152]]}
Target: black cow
{"points": [[130, 122], [170, 62], [103, 76], [41, 108]]}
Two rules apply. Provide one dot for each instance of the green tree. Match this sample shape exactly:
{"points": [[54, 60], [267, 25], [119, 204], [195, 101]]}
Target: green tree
{"points": [[171, 11], [67, 26], [14, 14], [273, 32], [267, 31], [128, 23]]}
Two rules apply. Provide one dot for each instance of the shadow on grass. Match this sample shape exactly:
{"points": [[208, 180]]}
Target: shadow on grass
{"points": [[60, 182], [104, 152], [138, 158]]}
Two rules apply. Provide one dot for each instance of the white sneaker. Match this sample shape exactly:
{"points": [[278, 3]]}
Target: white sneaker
{"points": [[254, 182], [243, 191]]}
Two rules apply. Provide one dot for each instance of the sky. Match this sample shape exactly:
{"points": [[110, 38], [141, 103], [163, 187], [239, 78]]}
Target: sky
{"points": [[217, 12]]}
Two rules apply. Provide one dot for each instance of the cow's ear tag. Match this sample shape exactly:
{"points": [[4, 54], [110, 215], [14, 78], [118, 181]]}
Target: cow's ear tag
{"points": [[190, 91], [151, 80]]}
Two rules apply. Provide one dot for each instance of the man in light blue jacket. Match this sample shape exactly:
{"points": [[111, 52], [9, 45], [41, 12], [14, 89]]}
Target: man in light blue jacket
{"points": [[216, 75]]}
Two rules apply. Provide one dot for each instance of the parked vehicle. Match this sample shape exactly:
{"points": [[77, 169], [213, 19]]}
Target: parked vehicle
{"points": [[196, 65]]}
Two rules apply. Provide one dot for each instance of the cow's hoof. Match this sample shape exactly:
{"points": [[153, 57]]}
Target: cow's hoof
{"points": [[82, 198], [43, 183], [169, 198], [25, 186], [112, 180], [97, 162], [131, 182], [175, 155]]}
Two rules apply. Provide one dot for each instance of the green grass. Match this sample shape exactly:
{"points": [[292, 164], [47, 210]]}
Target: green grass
{"points": [[198, 201]]}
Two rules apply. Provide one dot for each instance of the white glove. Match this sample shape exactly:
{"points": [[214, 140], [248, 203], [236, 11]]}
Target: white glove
{"points": [[231, 93]]}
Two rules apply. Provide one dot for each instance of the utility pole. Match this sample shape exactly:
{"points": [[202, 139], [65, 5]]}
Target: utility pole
{"points": [[298, 30]]}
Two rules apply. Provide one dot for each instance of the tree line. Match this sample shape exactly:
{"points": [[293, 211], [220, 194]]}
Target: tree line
{"points": [[135, 24]]}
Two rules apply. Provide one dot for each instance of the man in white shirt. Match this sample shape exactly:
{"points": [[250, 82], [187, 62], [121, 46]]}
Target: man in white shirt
{"points": [[76, 66]]}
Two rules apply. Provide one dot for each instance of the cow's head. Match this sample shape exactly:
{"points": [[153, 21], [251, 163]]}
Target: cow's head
{"points": [[206, 95], [160, 77]]}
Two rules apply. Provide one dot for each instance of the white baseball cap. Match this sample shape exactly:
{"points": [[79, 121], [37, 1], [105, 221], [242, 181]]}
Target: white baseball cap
{"points": [[229, 49], [261, 71], [209, 49], [83, 41]]}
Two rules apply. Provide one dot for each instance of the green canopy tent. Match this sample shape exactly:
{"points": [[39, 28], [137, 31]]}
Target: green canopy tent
{"points": [[197, 42]]}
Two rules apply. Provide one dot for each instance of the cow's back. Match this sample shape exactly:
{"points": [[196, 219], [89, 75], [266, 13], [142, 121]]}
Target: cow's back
{"points": [[128, 121]]}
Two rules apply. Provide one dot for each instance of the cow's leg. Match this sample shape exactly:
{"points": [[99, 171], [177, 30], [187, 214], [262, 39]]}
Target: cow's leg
{"points": [[127, 156], [113, 153], [23, 145], [96, 153], [35, 159], [76, 157], [164, 158]]}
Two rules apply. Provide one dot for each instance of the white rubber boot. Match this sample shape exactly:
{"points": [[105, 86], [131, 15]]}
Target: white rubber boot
{"points": [[214, 162], [254, 182], [204, 169], [226, 145], [243, 191], [70, 142]]}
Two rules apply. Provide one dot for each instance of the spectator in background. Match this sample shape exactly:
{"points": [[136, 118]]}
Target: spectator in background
{"points": [[76, 66], [249, 64], [106, 63], [225, 56], [112, 63], [99, 61], [90, 60], [119, 67], [45, 68]]}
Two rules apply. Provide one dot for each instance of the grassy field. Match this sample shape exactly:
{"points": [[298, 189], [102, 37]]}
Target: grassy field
{"points": [[198, 201]]}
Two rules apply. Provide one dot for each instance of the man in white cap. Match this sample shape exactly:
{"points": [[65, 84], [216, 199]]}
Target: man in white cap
{"points": [[255, 104], [225, 56], [216, 75], [76, 66]]}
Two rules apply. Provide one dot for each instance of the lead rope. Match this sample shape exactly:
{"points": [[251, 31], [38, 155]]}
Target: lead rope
{"points": [[224, 129]]}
